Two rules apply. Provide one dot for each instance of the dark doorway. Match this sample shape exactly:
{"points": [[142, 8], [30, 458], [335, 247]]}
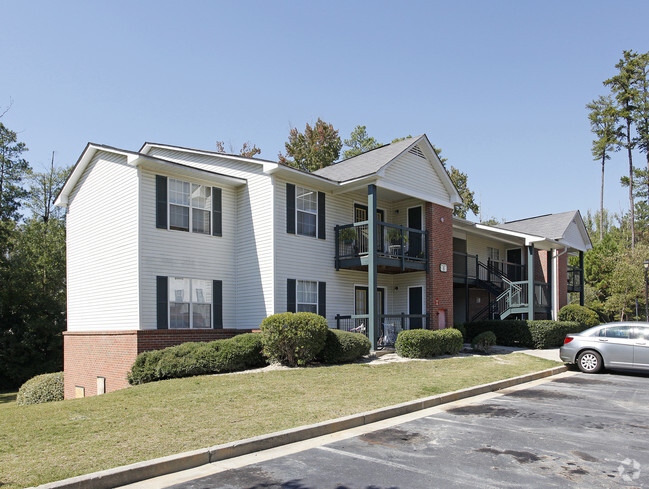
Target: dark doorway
{"points": [[415, 306], [514, 270], [415, 240]]}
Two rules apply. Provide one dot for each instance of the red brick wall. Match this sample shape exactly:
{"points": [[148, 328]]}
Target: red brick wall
{"points": [[110, 354], [88, 355], [541, 265], [439, 285], [562, 277]]}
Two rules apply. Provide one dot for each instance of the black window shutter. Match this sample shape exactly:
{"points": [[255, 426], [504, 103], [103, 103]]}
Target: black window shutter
{"points": [[217, 303], [290, 295], [161, 202], [290, 208], [322, 299], [217, 214], [321, 215], [161, 302]]}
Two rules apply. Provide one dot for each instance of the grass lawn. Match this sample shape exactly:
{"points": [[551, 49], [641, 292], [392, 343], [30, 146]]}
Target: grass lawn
{"points": [[53, 441]]}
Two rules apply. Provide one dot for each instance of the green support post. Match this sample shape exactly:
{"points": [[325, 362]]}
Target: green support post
{"points": [[372, 277], [530, 282]]}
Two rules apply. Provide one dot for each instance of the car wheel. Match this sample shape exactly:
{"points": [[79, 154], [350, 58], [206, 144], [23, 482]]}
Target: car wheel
{"points": [[589, 362]]}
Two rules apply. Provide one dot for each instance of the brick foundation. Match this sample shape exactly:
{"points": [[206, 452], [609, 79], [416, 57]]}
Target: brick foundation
{"points": [[110, 354], [439, 285]]}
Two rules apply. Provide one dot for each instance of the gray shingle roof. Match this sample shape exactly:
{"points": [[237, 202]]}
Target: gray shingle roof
{"points": [[367, 163], [551, 226]]}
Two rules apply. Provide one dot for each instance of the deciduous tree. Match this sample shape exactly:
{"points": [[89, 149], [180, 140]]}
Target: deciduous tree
{"points": [[318, 147], [248, 149]]}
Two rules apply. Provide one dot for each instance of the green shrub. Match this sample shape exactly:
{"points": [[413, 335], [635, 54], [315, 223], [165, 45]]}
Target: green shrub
{"points": [[238, 353], [580, 314], [484, 341], [460, 327], [294, 338], [424, 343], [42, 388], [342, 346], [550, 334], [525, 334]]}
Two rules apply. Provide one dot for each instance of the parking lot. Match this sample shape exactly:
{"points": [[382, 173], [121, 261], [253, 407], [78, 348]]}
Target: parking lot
{"points": [[573, 430]]}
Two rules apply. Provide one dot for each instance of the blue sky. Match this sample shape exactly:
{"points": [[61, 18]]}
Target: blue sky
{"points": [[500, 86]]}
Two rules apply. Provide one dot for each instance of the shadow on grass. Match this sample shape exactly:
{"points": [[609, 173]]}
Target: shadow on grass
{"points": [[6, 397]]}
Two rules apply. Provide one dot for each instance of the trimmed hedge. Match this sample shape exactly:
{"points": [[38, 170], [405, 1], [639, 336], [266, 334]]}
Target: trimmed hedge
{"points": [[484, 341], [424, 343], [580, 314], [294, 338], [343, 346], [42, 388], [525, 334], [238, 353]]}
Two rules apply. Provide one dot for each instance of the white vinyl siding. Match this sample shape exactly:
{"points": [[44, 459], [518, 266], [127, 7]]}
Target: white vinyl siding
{"points": [[102, 247], [479, 245], [303, 258], [411, 172], [248, 254]]}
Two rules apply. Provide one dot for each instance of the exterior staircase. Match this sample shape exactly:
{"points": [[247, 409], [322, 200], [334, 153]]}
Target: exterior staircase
{"points": [[509, 295]]}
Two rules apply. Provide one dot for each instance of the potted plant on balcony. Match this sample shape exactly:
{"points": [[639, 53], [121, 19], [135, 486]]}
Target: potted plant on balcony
{"points": [[394, 236], [347, 235]]}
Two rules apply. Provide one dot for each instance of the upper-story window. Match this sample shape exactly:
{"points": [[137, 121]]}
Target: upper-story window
{"points": [[307, 211], [190, 206]]}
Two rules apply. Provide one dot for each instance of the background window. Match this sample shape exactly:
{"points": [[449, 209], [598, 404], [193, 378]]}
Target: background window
{"points": [[307, 296], [494, 253], [307, 211]]}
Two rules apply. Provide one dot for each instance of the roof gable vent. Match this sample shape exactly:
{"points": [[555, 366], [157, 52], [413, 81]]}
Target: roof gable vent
{"points": [[417, 152]]}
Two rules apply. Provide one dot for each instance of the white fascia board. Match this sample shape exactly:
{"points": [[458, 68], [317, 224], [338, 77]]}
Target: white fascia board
{"points": [[80, 166], [147, 147], [300, 176], [177, 169], [529, 239]]}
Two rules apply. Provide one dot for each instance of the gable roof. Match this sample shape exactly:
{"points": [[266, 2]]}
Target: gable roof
{"points": [[552, 226], [366, 163]]}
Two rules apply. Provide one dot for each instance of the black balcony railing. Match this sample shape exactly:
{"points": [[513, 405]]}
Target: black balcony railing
{"points": [[389, 327], [574, 279], [396, 245]]}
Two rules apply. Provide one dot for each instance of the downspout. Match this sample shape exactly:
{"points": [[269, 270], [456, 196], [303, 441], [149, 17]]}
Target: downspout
{"points": [[555, 283]]}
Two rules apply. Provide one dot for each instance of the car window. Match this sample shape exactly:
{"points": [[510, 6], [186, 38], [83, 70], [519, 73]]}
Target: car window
{"points": [[642, 333], [617, 332]]}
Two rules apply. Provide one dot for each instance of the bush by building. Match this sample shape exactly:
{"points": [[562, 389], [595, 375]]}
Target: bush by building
{"points": [[424, 343], [580, 314], [294, 339], [42, 388], [342, 347]]}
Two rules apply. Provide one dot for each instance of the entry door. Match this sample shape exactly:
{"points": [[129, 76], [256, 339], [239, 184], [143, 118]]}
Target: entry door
{"points": [[415, 306], [360, 215], [514, 273], [362, 300], [415, 242]]}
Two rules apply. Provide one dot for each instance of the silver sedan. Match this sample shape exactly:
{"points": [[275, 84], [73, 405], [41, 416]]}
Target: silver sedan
{"points": [[613, 345]]}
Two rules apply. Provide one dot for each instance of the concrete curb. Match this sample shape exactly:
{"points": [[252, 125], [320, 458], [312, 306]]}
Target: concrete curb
{"points": [[128, 474]]}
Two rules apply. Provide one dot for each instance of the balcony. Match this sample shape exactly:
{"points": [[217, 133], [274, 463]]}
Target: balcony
{"points": [[574, 279], [399, 248]]}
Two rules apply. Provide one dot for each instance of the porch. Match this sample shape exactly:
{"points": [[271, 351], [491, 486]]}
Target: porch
{"points": [[390, 325]]}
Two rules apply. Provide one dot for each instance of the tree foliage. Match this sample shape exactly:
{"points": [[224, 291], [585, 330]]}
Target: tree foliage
{"points": [[248, 149], [13, 168], [317, 147], [359, 142]]}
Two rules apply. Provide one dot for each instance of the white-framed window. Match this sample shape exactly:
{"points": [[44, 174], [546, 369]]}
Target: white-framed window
{"points": [[306, 207], [190, 207], [307, 296], [494, 253], [190, 303]]}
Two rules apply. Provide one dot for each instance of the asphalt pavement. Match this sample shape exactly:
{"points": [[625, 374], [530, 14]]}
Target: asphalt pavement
{"points": [[572, 430]]}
